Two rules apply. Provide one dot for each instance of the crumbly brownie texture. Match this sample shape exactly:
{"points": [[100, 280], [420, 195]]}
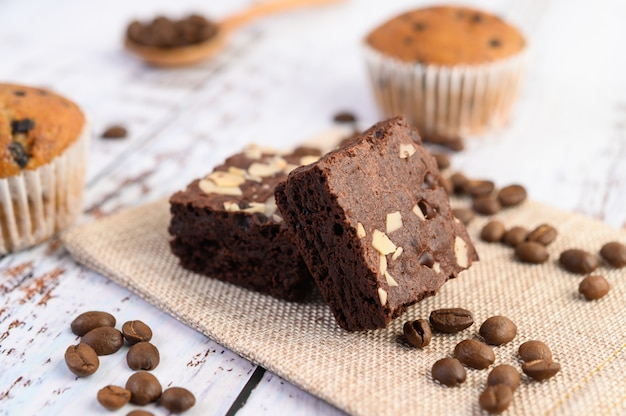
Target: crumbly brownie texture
{"points": [[226, 225], [36, 125], [447, 35], [374, 227]]}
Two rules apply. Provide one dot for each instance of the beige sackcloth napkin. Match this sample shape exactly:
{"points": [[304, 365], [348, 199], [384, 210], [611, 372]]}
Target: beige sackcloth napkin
{"points": [[374, 372]]}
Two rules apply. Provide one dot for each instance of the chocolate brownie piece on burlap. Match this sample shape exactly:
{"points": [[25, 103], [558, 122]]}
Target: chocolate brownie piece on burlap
{"points": [[226, 225], [374, 226]]}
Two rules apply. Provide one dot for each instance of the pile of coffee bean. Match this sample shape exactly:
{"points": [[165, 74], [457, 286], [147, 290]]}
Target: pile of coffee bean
{"points": [[497, 330], [100, 337], [164, 32], [530, 246]]}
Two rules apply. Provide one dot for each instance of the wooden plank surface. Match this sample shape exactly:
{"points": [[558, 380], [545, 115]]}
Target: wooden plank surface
{"points": [[278, 83]]}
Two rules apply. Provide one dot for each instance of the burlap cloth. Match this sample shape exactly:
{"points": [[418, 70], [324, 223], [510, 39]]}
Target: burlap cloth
{"points": [[374, 373]]}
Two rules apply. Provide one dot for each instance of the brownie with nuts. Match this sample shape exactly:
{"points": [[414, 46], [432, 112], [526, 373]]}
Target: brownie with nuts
{"points": [[374, 226], [226, 225]]}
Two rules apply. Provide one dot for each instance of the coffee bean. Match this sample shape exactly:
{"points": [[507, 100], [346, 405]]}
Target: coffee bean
{"points": [[614, 253], [478, 187], [531, 252], [115, 132], [307, 151], [474, 354], [449, 372], [458, 180], [144, 388], [534, 350], [496, 399], [136, 331], [143, 356], [541, 369], [594, 287], [87, 321], [498, 330], [504, 374], [139, 412], [344, 117], [543, 234], [492, 232], [465, 215], [442, 159], [417, 333], [512, 195], [451, 320], [81, 359], [514, 236], [104, 340], [486, 205], [113, 397], [177, 399], [578, 261]]}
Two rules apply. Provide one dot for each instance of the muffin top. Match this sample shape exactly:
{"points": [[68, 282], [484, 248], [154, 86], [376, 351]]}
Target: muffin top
{"points": [[36, 125], [446, 35]]}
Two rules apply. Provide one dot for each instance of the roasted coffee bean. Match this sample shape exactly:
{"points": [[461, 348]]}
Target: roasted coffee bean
{"points": [[177, 399], [504, 374], [594, 287], [442, 159], [344, 117], [458, 180], [465, 215], [136, 331], [307, 151], [486, 205], [113, 397], [578, 261], [531, 252], [474, 354], [451, 320], [418, 333], [614, 253], [541, 369], [87, 321], [492, 232], [543, 234], [449, 372], [514, 236], [512, 195], [478, 187], [104, 340], [115, 132], [498, 330], [81, 359], [139, 412], [144, 388], [496, 399], [534, 350], [143, 356]]}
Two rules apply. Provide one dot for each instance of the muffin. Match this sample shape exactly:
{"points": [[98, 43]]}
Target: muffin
{"points": [[43, 139], [449, 70]]}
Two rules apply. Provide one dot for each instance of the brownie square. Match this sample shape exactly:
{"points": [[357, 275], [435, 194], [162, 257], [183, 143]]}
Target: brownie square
{"points": [[374, 226], [226, 225]]}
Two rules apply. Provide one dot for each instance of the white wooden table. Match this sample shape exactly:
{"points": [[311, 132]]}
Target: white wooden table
{"points": [[279, 82]]}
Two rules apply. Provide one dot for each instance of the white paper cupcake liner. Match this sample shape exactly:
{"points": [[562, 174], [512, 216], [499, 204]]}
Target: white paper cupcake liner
{"points": [[446, 101], [36, 204]]}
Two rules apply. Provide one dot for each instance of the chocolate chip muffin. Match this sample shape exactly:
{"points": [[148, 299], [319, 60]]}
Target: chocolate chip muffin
{"points": [[43, 139], [450, 70]]}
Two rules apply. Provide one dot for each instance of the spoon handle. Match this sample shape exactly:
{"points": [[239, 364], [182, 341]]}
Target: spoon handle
{"points": [[264, 9]]}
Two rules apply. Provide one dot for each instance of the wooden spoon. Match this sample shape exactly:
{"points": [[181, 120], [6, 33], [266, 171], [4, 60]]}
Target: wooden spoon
{"points": [[191, 54]]}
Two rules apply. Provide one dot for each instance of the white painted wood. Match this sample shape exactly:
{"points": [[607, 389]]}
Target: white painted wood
{"points": [[278, 83]]}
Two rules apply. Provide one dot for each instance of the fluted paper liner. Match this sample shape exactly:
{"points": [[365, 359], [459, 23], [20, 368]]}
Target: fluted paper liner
{"points": [[374, 373], [38, 203], [446, 101]]}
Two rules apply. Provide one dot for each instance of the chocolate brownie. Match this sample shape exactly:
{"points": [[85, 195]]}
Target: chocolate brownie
{"points": [[226, 225], [374, 226]]}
